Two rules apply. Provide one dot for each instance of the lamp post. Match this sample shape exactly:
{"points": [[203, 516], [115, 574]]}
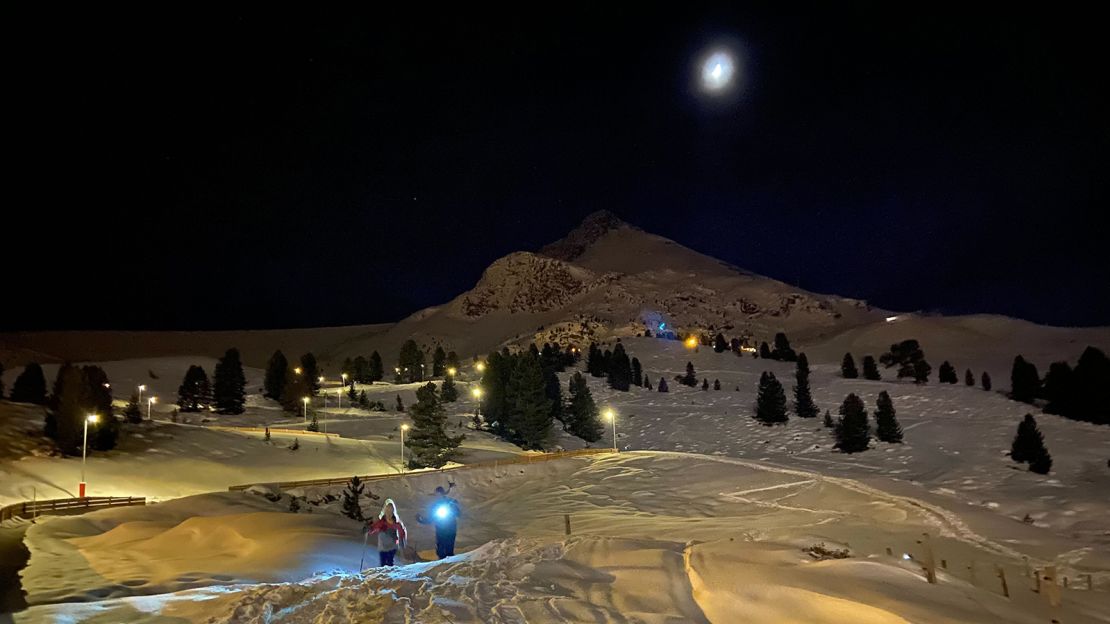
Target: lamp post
{"points": [[611, 417], [404, 428], [481, 366], [476, 392], [141, 388], [342, 387], [305, 401], [451, 371], [91, 418], [149, 405]]}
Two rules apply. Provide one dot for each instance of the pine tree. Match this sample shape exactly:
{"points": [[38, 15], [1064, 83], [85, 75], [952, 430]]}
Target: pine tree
{"points": [[637, 373], [647, 382], [848, 367], [431, 446], [30, 386], [352, 394], [803, 400], [364, 401], [375, 372], [447, 392], [595, 365], [663, 385], [770, 403], [887, 428], [400, 404], [194, 394], [1028, 446], [274, 382], [704, 384], [361, 372], [294, 391], [947, 373], [133, 413], [495, 383], [620, 369], [229, 384], [829, 420], [453, 360], [351, 496], [529, 407], [1059, 389], [69, 407], [348, 367], [870, 370], [310, 373], [921, 370], [903, 354], [853, 432], [986, 381], [691, 378], [716, 384], [439, 358], [582, 413], [1090, 384], [1025, 384], [969, 379], [782, 350], [764, 351], [719, 344]]}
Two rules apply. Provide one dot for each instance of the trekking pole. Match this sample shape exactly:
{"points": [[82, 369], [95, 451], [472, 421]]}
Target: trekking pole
{"points": [[361, 561]]}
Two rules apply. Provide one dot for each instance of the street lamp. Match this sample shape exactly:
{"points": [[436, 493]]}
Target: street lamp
{"points": [[476, 392], [305, 401], [611, 417], [91, 418], [149, 405], [481, 366], [404, 428], [344, 385], [141, 388], [297, 371], [451, 371]]}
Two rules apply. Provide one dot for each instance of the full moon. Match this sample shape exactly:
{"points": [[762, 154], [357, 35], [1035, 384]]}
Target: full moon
{"points": [[717, 71]]}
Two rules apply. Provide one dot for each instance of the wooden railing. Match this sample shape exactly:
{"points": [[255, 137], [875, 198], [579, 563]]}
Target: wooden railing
{"points": [[273, 430], [530, 458], [30, 509]]}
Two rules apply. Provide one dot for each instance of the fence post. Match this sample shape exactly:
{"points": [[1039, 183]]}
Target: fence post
{"points": [[1052, 590], [930, 563], [566, 518], [1002, 577]]}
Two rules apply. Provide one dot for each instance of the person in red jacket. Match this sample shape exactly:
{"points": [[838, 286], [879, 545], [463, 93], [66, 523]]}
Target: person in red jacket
{"points": [[391, 533]]}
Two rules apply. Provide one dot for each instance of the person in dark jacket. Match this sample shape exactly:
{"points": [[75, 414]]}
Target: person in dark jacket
{"points": [[444, 514], [390, 531]]}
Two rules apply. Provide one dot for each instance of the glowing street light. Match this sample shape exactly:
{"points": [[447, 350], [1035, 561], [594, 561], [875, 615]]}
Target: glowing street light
{"points": [[305, 401], [476, 392], [91, 418], [404, 428], [612, 417], [297, 371], [141, 388], [149, 404], [692, 342], [451, 371], [481, 366]]}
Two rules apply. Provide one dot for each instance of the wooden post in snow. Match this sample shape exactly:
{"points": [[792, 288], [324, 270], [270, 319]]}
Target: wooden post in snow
{"points": [[566, 518], [1051, 589], [1002, 577], [1090, 585], [1037, 581], [929, 561]]}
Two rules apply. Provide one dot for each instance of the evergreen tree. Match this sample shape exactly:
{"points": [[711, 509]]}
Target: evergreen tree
{"points": [[1090, 384], [1025, 384], [361, 372], [770, 403], [595, 365], [691, 378], [782, 350], [704, 384], [294, 391], [582, 413], [969, 378], [529, 407], [848, 367], [1028, 446], [647, 382], [663, 385], [69, 407], [351, 496], [764, 351], [363, 401], [804, 406], [903, 355], [828, 420], [194, 394], [374, 371], [439, 359], [274, 382], [352, 394], [453, 360], [620, 369], [400, 404], [986, 381], [719, 344], [1059, 389], [637, 373], [716, 384], [495, 383], [348, 367], [553, 390], [887, 428], [229, 384], [411, 362], [947, 373], [133, 413], [447, 392], [921, 370], [870, 370], [853, 432], [30, 386], [430, 445], [310, 373]]}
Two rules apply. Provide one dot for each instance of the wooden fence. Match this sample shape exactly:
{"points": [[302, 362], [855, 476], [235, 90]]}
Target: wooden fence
{"points": [[30, 509], [273, 430], [532, 458]]}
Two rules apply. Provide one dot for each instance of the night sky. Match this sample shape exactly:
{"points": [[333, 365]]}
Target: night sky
{"points": [[221, 170]]}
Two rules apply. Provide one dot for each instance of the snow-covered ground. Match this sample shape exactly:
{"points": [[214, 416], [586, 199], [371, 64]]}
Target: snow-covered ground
{"points": [[657, 537]]}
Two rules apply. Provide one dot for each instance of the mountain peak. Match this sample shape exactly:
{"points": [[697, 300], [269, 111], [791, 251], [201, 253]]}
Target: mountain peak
{"points": [[592, 228]]}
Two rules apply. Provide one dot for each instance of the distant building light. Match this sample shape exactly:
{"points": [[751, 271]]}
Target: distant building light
{"points": [[891, 319]]}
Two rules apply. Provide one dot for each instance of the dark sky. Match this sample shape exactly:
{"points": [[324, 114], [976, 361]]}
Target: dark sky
{"points": [[229, 170]]}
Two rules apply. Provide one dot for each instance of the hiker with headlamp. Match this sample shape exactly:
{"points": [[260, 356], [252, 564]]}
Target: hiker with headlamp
{"points": [[444, 514]]}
